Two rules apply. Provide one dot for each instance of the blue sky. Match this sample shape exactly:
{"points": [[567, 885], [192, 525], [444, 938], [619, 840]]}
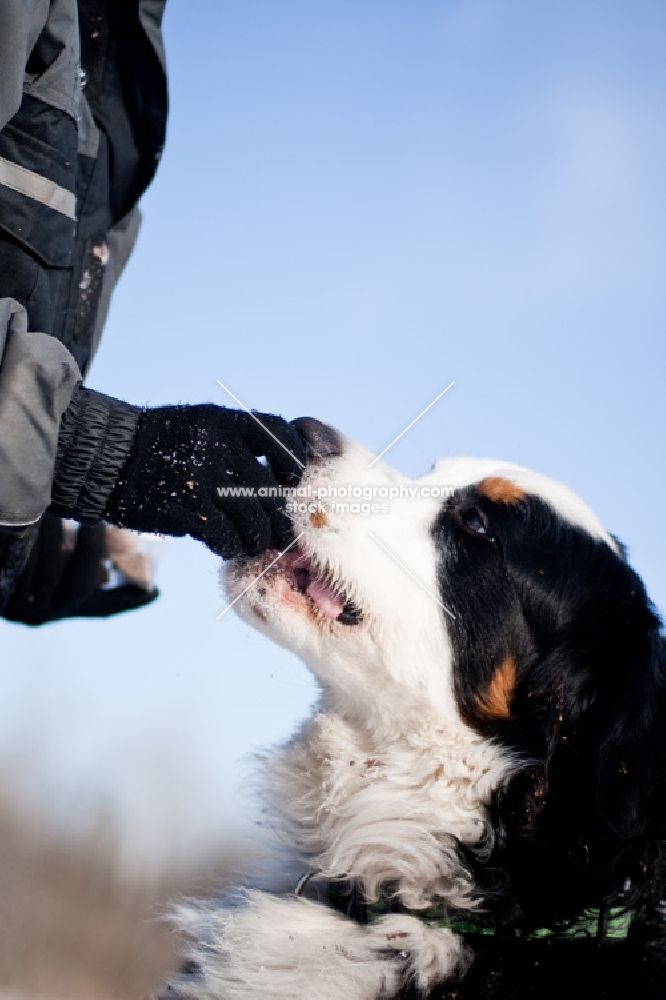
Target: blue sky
{"points": [[358, 202]]}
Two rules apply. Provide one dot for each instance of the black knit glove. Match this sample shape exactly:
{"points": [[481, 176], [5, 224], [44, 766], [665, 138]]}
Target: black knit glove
{"points": [[183, 456], [176, 462]]}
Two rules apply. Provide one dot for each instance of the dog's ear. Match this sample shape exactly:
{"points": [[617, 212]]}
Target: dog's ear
{"points": [[632, 763]]}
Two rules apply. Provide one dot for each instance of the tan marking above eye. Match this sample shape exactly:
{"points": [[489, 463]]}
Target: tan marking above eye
{"points": [[495, 702], [318, 519], [500, 490]]}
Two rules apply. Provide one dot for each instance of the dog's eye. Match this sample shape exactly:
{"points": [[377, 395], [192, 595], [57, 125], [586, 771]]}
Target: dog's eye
{"points": [[474, 521]]}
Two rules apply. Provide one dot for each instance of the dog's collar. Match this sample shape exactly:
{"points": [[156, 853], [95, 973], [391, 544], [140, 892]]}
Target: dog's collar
{"points": [[598, 923], [601, 924]]}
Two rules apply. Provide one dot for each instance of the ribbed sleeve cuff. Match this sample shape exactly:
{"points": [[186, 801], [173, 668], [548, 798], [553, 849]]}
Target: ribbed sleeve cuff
{"points": [[95, 437]]}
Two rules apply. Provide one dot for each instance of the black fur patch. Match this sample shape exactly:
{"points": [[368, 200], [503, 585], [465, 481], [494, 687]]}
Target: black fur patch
{"points": [[584, 822]]}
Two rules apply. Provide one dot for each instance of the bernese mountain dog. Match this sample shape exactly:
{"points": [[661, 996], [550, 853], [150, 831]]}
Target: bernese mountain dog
{"points": [[478, 802]]}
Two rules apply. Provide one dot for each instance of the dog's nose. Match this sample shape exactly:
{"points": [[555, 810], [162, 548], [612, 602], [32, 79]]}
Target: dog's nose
{"points": [[321, 441]]}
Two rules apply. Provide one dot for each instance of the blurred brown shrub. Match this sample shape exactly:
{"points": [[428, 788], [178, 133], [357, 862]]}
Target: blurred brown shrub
{"points": [[75, 927]]}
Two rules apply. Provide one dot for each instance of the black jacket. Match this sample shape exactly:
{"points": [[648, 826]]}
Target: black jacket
{"points": [[83, 103]]}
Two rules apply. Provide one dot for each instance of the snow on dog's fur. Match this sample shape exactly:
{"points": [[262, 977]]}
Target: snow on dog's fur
{"points": [[391, 785]]}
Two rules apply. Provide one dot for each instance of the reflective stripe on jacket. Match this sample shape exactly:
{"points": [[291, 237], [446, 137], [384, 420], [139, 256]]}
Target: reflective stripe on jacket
{"points": [[83, 104]]}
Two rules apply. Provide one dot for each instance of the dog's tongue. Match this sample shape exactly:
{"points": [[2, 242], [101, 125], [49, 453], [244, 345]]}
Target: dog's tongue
{"points": [[319, 592], [325, 598]]}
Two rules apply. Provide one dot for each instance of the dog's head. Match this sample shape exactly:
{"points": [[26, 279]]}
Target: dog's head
{"points": [[484, 597]]}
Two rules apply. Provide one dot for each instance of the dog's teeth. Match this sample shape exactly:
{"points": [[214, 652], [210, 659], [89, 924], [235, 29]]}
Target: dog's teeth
{"points": [[326, 575]]}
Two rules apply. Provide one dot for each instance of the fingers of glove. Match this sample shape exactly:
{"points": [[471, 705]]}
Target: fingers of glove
{"points": [[247, 512], [44, 570], [220, 535], [84, 571], [247, 473], [22, 595], [103, 603], [281, 527], [251, 523], [266, 434], [241, 527], [257, 532]]}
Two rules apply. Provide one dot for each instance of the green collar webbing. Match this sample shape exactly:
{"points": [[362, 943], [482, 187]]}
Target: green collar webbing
{"points": [[600, 924]]}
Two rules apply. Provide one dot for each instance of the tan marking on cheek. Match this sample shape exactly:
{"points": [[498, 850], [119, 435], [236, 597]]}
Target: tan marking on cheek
{"points": [[318, 519], [500, 490], [495, 703]]}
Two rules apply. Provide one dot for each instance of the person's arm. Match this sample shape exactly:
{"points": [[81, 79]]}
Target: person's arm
{"points": [[87, 456], [177, 470], [91, 457]]}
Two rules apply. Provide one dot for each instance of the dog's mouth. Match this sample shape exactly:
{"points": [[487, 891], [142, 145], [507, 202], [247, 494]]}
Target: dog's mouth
{"points": [[319, 586]]}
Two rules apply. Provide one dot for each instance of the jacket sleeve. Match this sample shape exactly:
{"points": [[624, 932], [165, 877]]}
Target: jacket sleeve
{"points": [[38, 376]]}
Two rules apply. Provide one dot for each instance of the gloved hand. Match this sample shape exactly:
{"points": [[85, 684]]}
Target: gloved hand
{"points": [[183, 456], [161, 470], [67, 581]]}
